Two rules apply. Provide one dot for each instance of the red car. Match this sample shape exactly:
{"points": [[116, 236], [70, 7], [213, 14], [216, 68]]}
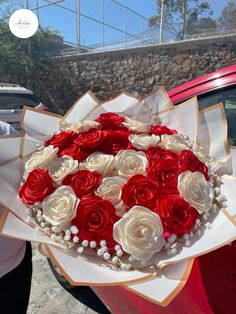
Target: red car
{"points": [[211, 287]]}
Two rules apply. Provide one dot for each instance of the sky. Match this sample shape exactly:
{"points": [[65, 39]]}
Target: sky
{"points": [[91, 32]]}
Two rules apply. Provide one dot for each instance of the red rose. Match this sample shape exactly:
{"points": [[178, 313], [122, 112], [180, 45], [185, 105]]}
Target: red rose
{"points": [[90, 139], [36, 187], [116, 141], [60, 140], [157, 153], [75, 152], [165, 173], [140, 190], [176, 214], [189, 161], [95, 219], [161, 129], [111, 120], [83, 182]]}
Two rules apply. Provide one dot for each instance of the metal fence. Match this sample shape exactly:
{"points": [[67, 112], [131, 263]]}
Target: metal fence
{"points": [[97, 25]]}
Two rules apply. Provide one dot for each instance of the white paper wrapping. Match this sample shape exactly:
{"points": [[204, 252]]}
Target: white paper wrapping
{"points": [[82, 270]]}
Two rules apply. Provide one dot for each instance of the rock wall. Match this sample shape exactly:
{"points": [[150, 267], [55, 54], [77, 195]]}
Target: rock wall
{"points": [[136, 70]]}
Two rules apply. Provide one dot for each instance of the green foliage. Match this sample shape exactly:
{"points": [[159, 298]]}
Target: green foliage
{"points": [[20, 55], [203, 25], [183, 16], [228, 17]]}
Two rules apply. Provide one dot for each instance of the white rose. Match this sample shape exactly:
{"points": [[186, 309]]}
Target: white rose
{"points": [[81, 126], [110, 189], [41, 158], [136, 126], [175, 142], [140, 233], [130, 162], [61, 167], [144, 141], [59, 208], [99, 162], [194, 188], [88, 124]]}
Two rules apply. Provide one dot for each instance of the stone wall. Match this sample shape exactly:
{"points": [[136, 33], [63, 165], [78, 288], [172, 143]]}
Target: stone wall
{"points": [[136, 70]]}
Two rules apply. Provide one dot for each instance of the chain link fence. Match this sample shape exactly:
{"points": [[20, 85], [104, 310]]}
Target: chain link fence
{"points": [[97, 25]]}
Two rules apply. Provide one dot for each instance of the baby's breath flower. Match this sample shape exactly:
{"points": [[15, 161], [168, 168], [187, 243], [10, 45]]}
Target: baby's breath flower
{"points": [[85, 243], [75, 239], [117, 247], [74, 229], [39, 213], [198, 222], [187, 242], [55, 229], [173, 251], [67, 237], [119, 253], [103, 243], [80, 250], [199, 232], [100, 252], [40, 218], [186, 236], [106, 255], [115, 259], [204, 217], [93, 244], [127, 266], [172, 238]]}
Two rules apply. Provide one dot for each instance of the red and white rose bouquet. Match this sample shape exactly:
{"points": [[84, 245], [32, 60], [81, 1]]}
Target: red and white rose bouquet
{"points": [[128, 189]]}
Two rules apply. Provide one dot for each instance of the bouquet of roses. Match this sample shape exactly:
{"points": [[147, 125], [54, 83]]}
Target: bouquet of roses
{"points": [[113, 192]]}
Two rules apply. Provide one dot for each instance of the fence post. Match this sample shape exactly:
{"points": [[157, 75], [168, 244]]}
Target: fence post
{"points": [[78, 23], [126, 27], [103, 26], [161, 22]]}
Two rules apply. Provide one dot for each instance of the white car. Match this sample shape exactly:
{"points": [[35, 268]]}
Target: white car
{"points": [[12, 100]]}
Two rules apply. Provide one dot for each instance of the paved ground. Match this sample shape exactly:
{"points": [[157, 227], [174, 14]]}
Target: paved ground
{"points": [[48, 297]]}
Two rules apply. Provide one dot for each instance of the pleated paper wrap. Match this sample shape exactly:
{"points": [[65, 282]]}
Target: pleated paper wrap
{"points": [[160, 284]]}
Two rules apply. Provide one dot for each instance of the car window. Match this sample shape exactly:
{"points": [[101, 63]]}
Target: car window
{"points": [[227, 95], [16, 101]]}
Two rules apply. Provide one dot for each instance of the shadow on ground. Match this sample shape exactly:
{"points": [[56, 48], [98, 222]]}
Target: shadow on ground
{"points": [[83, 294]]}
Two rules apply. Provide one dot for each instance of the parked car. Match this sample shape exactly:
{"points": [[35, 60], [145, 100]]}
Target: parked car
{"points": [[211, 287], [12, 100]]}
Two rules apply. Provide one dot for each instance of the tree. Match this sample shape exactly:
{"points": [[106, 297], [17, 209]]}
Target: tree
{"points": [[18, 55], [204, 25], [178, 15], [21, 59], [227, 18]]}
